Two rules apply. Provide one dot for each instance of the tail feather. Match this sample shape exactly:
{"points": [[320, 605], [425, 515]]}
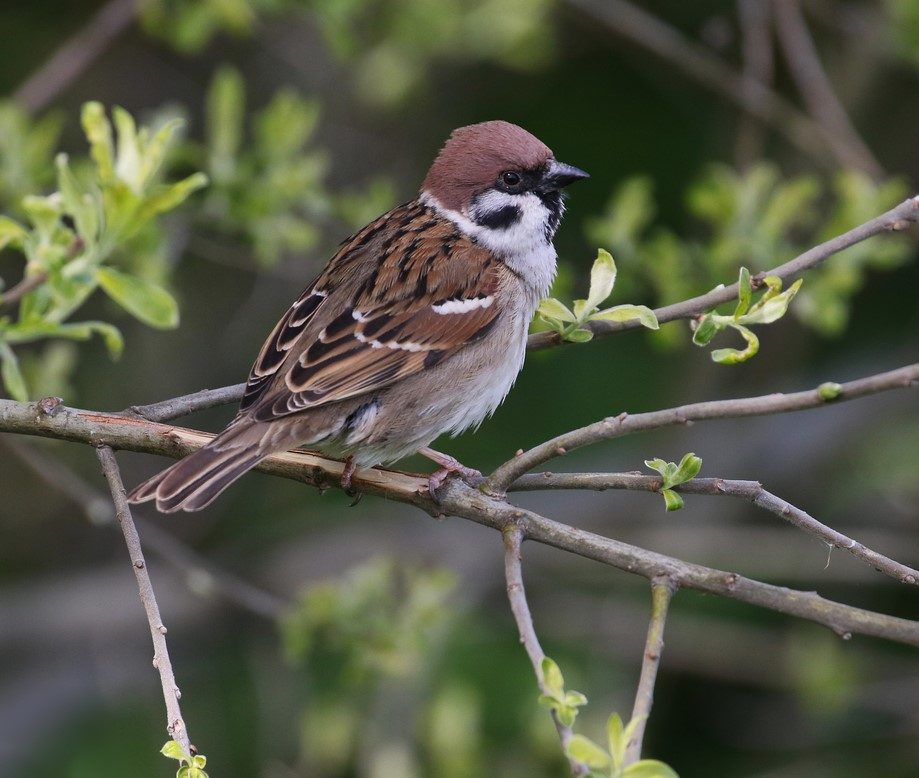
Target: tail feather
{"points": [[196, 481]]}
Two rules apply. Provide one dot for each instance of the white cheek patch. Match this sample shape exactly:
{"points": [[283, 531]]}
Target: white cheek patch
{"points": [[462, 305]]}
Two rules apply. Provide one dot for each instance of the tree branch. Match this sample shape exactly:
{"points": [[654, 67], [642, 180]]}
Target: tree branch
{"points": [[750, 490], [458, 499], [516, 595], [175, 724], [897, 218], [662, 591], [755, 98], [21, 289], [814, 86], [76, 54], [624, 424]]}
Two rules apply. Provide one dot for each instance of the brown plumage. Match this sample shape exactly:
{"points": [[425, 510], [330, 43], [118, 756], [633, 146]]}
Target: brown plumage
{"points": [[416, 327]]}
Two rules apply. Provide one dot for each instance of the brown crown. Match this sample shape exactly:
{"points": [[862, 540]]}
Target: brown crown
{"points": [[474, 156]]}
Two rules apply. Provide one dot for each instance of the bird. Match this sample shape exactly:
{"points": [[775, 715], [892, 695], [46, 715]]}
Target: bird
{"points": [[416, 327]]}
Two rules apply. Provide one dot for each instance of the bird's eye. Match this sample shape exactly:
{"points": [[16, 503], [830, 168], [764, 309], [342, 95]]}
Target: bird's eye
{"points": [[510, 178]]}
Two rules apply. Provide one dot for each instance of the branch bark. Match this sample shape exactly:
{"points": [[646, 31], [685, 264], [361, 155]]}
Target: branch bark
{"points": [[750, 490], [624, 424], [662, 591], [516, 595], [175, 724], [459, 499]]}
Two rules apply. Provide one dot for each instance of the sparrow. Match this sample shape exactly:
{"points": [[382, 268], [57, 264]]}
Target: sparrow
{"points": [[416, 327]]}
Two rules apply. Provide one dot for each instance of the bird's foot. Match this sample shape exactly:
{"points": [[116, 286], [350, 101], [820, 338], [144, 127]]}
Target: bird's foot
{"points": [[346, 475], [448, 466]]}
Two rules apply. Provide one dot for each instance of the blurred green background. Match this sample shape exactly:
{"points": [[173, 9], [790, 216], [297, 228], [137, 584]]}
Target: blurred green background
{"points": [[314, 639]]}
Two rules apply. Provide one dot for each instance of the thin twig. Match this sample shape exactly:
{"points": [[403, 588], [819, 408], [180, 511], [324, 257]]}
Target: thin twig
{"points": [[20, 290], [819, 96], [757, 99], [625, 424], [457, 499], [516, 594], [754, 17], [194, 567], [897, 218], [750, 490], [175, 724], [76, 54], [662, 591], [189, 403]]}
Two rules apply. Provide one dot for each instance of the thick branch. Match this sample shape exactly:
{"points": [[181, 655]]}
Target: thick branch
{"points": [[458, 499], [662, 591], [624, 424], [750, 490], [175, 724], [516, 594]]}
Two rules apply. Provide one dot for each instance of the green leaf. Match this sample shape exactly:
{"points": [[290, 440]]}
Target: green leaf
{"points": [[706, 330], [550, 308], [579, 335], [147, 301], [585, 750], [575, 699], [602, 279], [733, 356], [79, 204], [552, 678], [173, 750], [99, 134], [649, 768], [128, 166], [744, 293], [11, 374], [689, 468], [829, 390], [771, 306], [167, 197], [672, 500], [615, 735], [226, 103], [12, 233], [657, 464], [628, 312], [153, 154]]}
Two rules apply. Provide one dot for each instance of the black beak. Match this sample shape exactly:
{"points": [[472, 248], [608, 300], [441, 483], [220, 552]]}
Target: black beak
{"points": [[559, 175]]}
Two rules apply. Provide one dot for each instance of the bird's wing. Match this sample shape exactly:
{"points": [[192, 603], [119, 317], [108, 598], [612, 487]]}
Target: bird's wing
{"points": [[371, 321]]}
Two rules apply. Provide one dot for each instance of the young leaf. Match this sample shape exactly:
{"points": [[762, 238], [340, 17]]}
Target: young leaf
{"points": [[744, 293], [689, 468], [579, 336], [733, 356], [11, 374], [552, 678], [615, 735], [672, 500], [628, 312], [99, 134], [147, 301], [649, 768], [602, 279], [173, 750], [550, 308], [12, 233], [585, 750], [706, 330]]}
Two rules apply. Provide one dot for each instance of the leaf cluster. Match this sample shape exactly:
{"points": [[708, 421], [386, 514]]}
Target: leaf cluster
{"points": [[570, 323], [673, 474], [102, 211]]}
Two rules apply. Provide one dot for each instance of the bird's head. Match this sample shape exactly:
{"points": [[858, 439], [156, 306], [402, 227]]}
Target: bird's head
{"points": [[501, 179]]}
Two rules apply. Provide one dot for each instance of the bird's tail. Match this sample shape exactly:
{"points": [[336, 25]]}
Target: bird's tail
{"points": [[195, 481]]}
